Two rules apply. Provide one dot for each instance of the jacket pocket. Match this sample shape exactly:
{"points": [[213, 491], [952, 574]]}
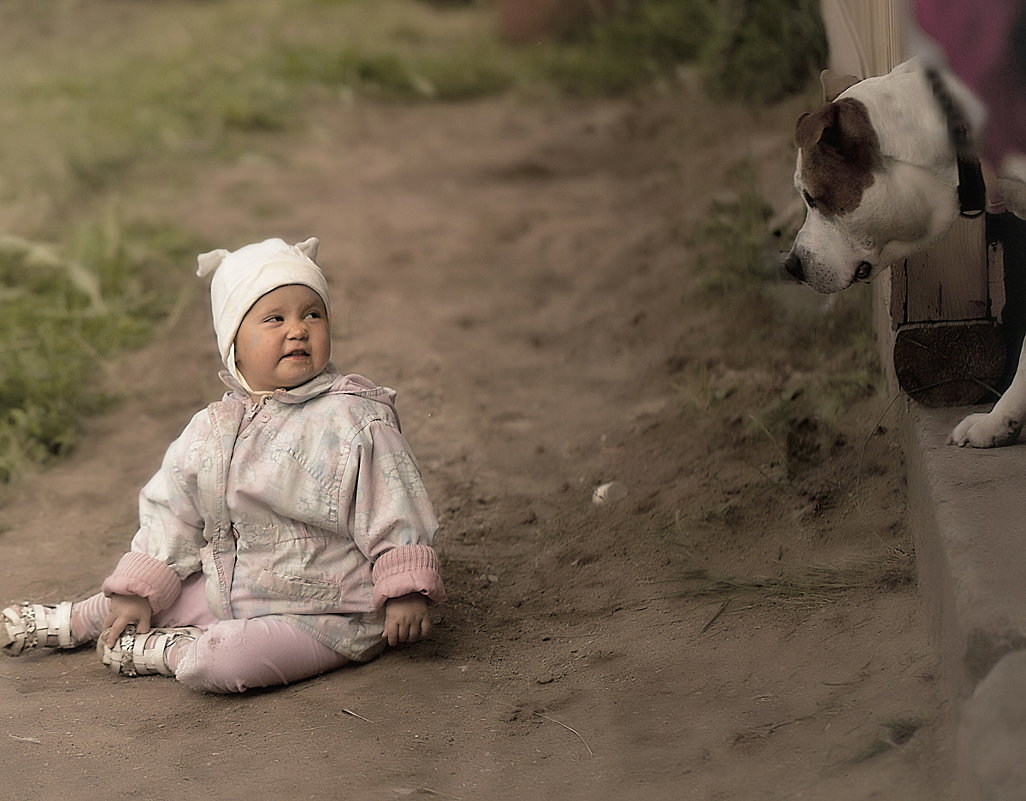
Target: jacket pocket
{"points": [[327, 594]]}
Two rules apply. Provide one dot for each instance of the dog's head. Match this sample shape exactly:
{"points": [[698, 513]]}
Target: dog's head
{"points": [[872, 197]]}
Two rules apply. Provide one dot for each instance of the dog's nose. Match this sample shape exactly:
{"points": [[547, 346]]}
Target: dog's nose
{"points": [[791, 266]]}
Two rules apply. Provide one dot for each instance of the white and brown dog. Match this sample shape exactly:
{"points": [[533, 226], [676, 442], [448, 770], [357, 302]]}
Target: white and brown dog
{"points": [[878, 171]]}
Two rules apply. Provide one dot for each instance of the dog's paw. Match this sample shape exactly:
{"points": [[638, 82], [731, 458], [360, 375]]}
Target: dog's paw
{"points": [[986, 431]]}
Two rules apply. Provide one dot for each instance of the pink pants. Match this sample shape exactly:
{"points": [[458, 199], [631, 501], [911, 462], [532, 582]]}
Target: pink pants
{"points": [[231, 656]]}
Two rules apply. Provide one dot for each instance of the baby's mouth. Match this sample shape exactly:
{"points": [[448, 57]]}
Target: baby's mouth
{"points": [[297, 354]]}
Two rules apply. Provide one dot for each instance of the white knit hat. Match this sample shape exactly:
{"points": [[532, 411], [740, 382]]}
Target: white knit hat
{"points": [[247, 274]]}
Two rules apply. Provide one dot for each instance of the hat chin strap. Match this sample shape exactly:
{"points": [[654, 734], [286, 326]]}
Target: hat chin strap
{"points": [[229, 362]]}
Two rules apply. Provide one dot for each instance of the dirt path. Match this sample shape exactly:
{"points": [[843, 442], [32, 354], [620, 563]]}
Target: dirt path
{"points": [[522, 274]]}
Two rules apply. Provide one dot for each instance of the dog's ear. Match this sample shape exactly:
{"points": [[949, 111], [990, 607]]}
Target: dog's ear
{"points": [[841, 128], [834, 83], [813, 127]]}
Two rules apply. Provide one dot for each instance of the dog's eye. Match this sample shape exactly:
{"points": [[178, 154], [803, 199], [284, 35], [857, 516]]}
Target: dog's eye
{"points": [[809, 199]]}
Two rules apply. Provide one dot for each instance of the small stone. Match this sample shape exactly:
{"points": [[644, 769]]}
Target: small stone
{"points": [[610, 492]]}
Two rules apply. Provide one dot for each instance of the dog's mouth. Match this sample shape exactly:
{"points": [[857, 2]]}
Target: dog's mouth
{"points": [[864, 271]]}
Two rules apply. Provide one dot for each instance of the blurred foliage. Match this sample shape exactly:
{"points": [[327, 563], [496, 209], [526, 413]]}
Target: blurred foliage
{"points": [[388, 76], [734, 240], [764, 50], [757, 51], [61, 317], [635, 44]]}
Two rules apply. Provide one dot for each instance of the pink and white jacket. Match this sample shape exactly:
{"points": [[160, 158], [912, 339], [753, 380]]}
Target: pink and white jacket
{"points": [[308, 504]]}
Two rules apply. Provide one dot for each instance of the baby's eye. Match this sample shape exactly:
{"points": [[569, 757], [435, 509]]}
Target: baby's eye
{"points": [[314, 315], [274, 318]]}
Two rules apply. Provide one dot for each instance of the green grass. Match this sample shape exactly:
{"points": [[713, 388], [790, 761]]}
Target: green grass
{"points": [[830, 354], [63, 313], [621, 51], [756, 51], [764, 50], [734, 239], [388, 76]]}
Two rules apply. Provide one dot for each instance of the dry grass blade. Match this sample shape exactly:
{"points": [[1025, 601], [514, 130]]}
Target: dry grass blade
{"points": [[351, 713], [573, 731], [896, 733], [811, 585]]}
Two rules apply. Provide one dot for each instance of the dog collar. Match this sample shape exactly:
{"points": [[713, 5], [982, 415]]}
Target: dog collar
{"points": [[972, 190]]}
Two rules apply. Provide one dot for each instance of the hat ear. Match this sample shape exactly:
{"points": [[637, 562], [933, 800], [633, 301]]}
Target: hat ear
{"points": [[309, 248], [208, 262]]}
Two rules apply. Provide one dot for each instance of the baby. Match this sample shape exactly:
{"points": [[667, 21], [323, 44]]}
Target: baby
{"points": [[287, 532]]}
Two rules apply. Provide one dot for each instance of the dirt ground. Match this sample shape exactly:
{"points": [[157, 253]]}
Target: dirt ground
{"points": [[523, 274]]}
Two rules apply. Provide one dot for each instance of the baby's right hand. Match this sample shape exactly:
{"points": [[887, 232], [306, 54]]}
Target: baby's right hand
{"points": [[126, 609]]}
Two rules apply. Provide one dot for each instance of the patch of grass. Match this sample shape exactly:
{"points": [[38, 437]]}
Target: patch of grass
{"points": [[624, 49], [825, 359], [391, 76], [764, 50], [756, 51], [738, 261], [806, 423], [63, 311], [736, 256], [807, 587]]}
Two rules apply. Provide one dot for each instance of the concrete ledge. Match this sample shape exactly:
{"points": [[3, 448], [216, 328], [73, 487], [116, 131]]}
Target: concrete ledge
{"points": [[967, 509], [967, 514]]}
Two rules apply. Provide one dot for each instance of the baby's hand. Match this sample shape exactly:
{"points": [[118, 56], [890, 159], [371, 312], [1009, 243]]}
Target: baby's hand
{"points": [[125, 609], [406, 618]]}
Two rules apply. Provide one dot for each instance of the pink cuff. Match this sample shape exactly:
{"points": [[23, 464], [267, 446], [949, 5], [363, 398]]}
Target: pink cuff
{"points": [[406, 569], [140, 574]]}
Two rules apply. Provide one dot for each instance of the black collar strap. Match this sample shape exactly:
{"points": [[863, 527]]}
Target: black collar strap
{"points": [[972, 191]]}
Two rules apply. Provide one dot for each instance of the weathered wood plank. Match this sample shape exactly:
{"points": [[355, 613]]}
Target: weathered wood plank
{"points": [[950, 281]]}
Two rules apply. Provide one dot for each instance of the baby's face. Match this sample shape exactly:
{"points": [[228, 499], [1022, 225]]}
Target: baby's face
{"points": [[284, 339]]}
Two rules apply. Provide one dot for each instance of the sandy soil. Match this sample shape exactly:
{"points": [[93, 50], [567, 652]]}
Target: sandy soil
{"points": [[523, 273]]}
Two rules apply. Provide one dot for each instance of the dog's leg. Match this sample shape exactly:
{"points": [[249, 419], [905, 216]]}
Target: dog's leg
{"points": [[1001, 426]]}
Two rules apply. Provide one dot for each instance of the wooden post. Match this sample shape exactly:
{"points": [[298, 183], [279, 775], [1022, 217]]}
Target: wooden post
{"points": [[938, 311]]}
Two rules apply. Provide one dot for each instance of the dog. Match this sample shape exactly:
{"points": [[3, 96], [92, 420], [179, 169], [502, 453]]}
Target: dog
{"points": [[878, 170]]}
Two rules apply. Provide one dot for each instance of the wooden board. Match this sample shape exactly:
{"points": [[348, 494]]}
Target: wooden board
{"points": [[949, 364], [951, 281], [864, 36]]}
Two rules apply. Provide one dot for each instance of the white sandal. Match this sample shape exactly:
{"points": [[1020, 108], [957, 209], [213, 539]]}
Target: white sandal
{"points": [[142, 654], [28, 625]]}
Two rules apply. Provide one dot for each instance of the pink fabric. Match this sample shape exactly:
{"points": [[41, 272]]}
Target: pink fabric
{"points": [[189, 609], [233, 656], [140, 574], [406, 569], [976, 38]]}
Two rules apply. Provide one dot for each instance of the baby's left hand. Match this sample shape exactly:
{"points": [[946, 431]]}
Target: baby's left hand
{"points": [[406, 618]]}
